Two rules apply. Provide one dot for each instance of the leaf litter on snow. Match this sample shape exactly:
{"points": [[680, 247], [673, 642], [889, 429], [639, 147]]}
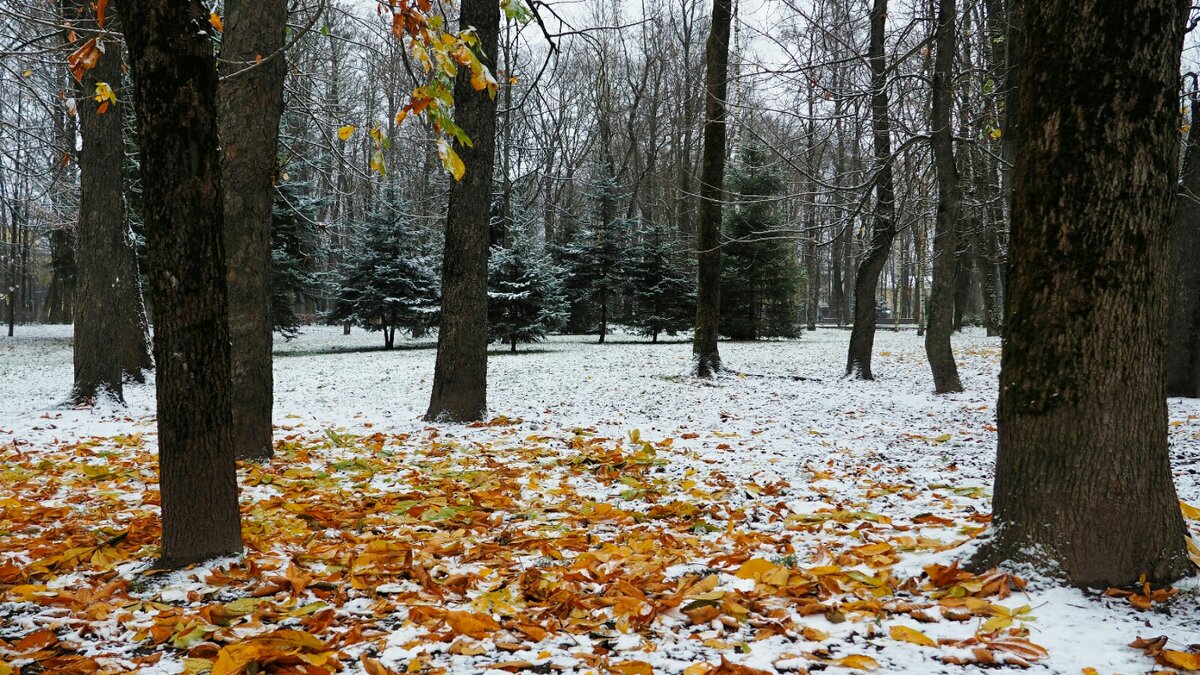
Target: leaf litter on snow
{"points": [[524, 546]]}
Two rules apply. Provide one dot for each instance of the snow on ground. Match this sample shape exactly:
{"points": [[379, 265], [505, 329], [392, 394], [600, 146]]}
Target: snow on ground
{"points": [[785, 442]]}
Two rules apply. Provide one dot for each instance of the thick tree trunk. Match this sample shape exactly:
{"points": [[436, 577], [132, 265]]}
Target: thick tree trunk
{"points": [[1083, 477], [99, 324], [1183, 333], [883, 230], [460, 375], [175, 77], [941, 300], [705, 353], [251, 101]]}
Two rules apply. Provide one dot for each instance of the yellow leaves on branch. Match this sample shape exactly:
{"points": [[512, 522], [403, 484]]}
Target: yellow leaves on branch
{"points": [[104, 96], [450, 159], [345, 132]]}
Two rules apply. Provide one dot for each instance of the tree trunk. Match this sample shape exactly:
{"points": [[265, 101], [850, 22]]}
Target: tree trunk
{"points": [[883, 230], [1083, 477], [460, 375], [941, 301], [175, 77], [705, 352], [1183, 333], [251, 102], [99, 324]]}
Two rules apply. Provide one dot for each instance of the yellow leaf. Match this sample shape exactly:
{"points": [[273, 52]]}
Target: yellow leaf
{"points": [[858, 662], [916, 637], [346, 132], [1185, 660], [697, 669], [1193, 551], [1090, 671], [104, 96], [813, 634], [27, 73], [5, 669], [942, 439], [995, 134], [377, 165], [451, 160], [215, 20], [1190, 512]]}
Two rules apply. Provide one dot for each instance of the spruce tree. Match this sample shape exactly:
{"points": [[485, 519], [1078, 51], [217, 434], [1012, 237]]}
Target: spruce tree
{"points": [[593, 259], [761, 278], [392, 283], [525, 299], [294, 240], [662, 291]]}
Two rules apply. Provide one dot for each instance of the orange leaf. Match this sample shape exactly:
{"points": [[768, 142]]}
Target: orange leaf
{"points": [[216, 22], [100, 7], [36, 640], [631, 668], [1185, 660], [472, 624]]}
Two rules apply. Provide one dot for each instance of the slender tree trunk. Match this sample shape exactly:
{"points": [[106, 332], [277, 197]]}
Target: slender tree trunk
{"points": [[705, 352], [99, 319], [1183, 334], [883, 231], [1083, 476], [941, 301], [460, 375], [251, 102], [175, 77]]}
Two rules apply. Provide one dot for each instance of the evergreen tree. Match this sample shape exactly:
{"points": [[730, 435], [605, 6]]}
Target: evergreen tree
{"points": [[661, 289], [293, 244], [593, 259], [761, 278], [392, 283], [525, 300]]}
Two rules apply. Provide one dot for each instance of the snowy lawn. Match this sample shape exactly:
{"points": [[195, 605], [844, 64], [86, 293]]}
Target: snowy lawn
{"points": [[615, 516]]}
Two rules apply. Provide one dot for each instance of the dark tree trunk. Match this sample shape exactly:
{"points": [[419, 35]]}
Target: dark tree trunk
{"points": [[60, 297], [175, 77], [941, 291], [460, 375], [1083, 477], [1183, 336], [705, 352], [251, 101], [99, 318], [883, 230]]}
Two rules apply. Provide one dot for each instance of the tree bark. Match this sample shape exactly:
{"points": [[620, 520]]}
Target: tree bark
{"points": [[705, 352], [1083, 477], [251, 102], [1183, 333], [99, 320], [883, 230], [175, 78], [941, 300], [460, 374]]}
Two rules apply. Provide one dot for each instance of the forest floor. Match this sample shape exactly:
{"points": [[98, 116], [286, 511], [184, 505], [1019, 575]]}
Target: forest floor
{"points": [[615, 516]]}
